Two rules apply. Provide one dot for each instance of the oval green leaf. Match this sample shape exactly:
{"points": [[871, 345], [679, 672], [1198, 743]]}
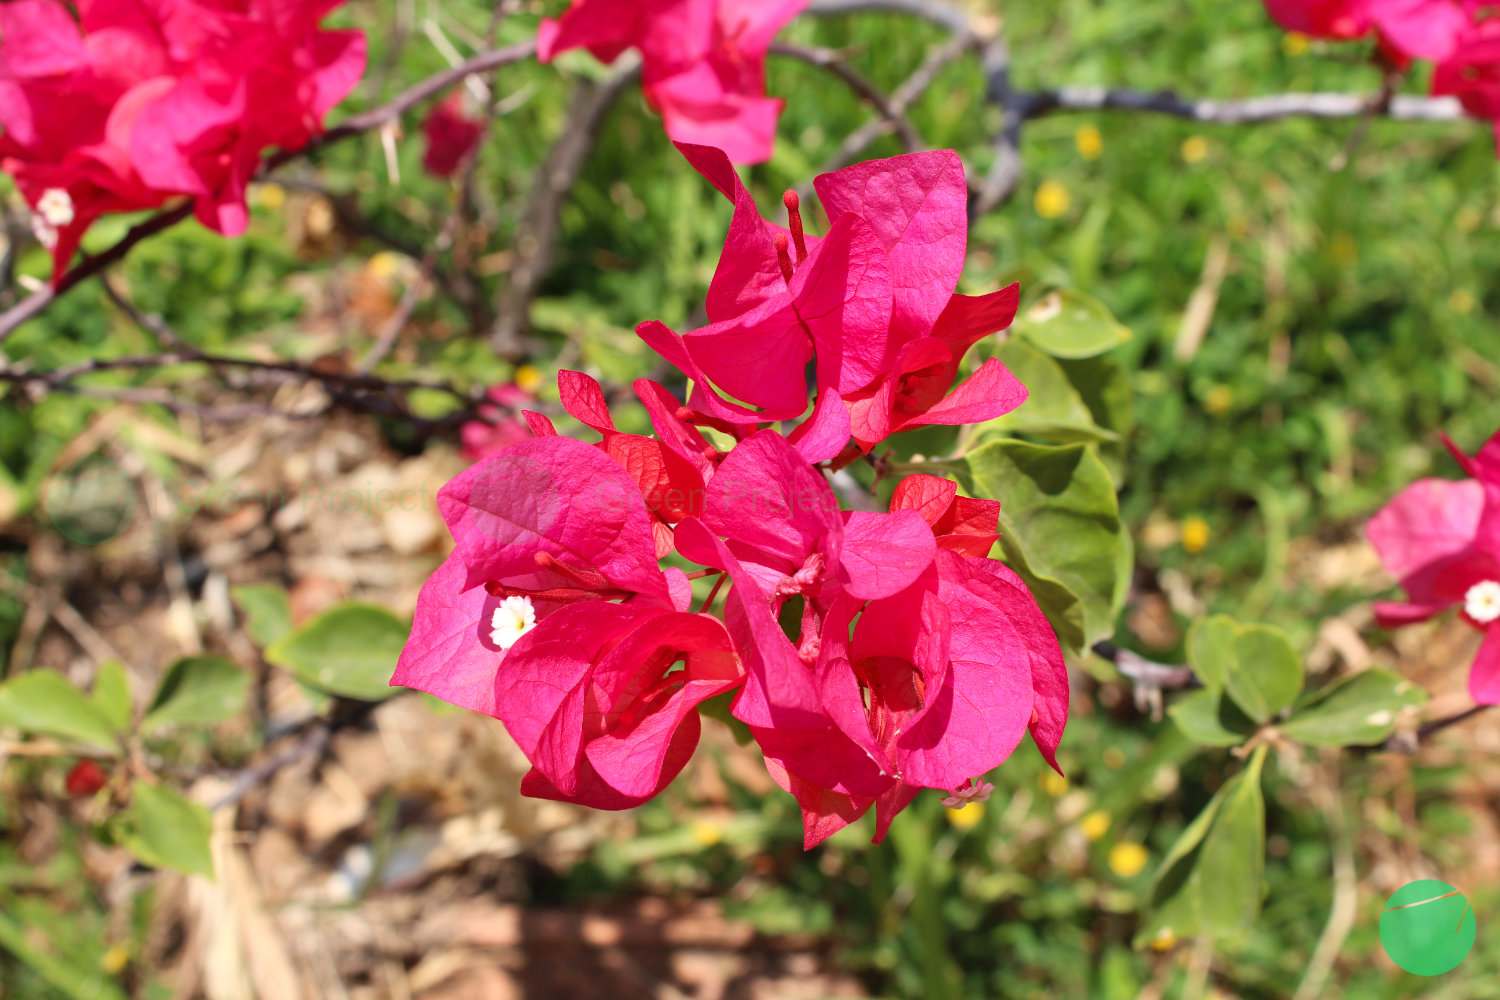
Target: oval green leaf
{"points": [[1060, 529], [42, 701], [1071, 324], [1357, 711], [267, 610], [166, 830], [198, 691], [112, 695], [349, 650], [1209, 719], [1266, 675]]}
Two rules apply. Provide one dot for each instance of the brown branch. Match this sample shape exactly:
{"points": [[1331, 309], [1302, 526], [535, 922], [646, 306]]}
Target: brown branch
{"points": [[541, 220], [391, 331], [1251, 111], [347, 714], [939, 13], [358, 391], [833, 61], [410, 98], [901, 98], [33, 304]]}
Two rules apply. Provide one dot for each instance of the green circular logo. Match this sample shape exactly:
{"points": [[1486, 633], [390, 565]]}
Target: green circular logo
{"points": [[1427, 927]]}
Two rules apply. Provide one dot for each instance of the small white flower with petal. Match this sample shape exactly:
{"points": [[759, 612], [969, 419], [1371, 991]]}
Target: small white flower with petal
{"points": [[512, 619], [1482, 602], [56, 207]]}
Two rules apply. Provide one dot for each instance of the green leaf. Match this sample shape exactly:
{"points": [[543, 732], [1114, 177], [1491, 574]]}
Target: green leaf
{"points": [[349, 650], [1256, 664], [1212, 880], [1124, 573], [1357, 711], [267, 611], [1053, 409], [198, 691], [111, 697], [1267, 672], [166, 830], [1209, 719], [1234, 855], [42, 701], [1210, 648], [1060, 529], [1071, 324], [1105, 387]]}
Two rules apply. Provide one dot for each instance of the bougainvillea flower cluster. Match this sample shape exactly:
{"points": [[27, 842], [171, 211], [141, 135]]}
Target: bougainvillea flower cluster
{"points": [[702, 62], [869, 653], [1461, 37], [119, 105], [1441, 539]]}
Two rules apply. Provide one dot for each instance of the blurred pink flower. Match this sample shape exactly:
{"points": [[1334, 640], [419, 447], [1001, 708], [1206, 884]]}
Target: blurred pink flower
{"points": [[499, 424], [136, 102], [451, 135], [703, 62], [1407, 29], [1441, 539]]}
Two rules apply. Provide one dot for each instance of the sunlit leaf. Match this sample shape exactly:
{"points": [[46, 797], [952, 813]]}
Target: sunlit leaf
{"points": [[1357, 711], [43, 702], [349, 650], [198, 691], [166, 830]]}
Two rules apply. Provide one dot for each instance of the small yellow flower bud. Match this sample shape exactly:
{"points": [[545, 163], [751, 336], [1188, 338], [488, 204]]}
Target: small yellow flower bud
{"points": [[528, 378], [706, 833], [1128, 860], [1089, 142], [1095, 825], [1052, 200], [1195, 149], [1195, 535]]}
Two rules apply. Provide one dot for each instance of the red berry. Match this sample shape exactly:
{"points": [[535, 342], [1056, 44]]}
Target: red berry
{"points": [[86, 778]]}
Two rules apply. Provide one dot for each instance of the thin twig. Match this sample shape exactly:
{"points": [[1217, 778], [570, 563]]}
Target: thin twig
{"points": [[1147, 678], [1254, 110], [353, 380], [37, 301], [901, 98], [541, 220], [834, 63], [40, 299], [390, 333], [936, 11], [1005, 170], [1345, 909], [313, 742]]}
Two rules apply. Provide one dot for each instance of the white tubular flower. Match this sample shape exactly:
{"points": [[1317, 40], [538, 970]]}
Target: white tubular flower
{"points": [[512, 619], [1482, 602]]}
